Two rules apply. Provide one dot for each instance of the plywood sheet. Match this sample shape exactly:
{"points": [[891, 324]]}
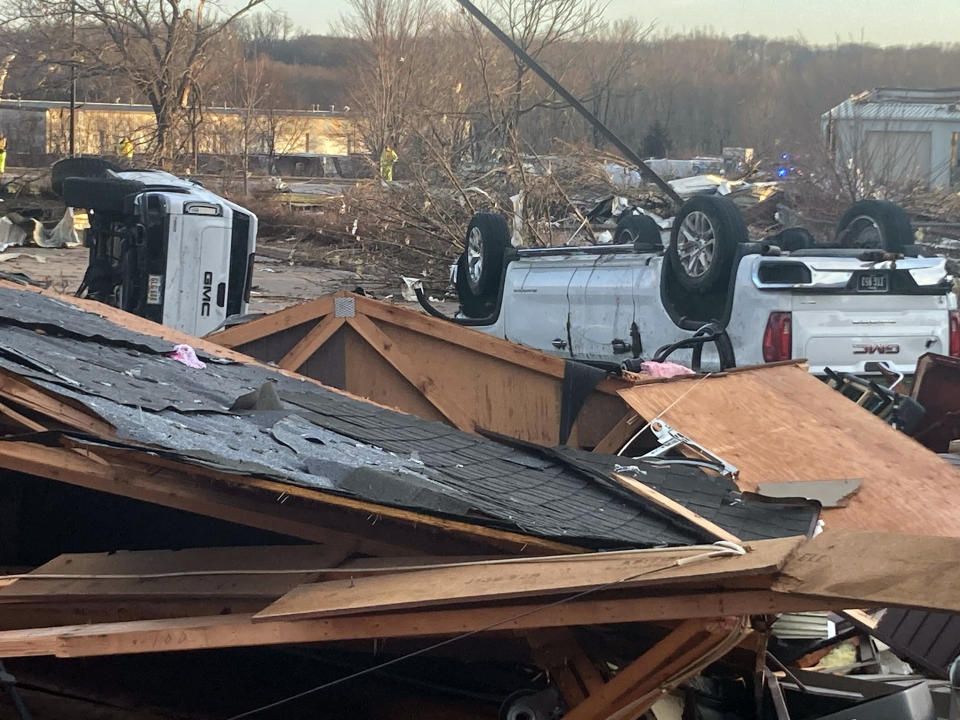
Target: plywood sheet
{"points": [[487, 582], [780, 423], [871, 568]]}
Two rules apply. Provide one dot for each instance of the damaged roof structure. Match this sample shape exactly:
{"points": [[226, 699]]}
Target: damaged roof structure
{"points": [[166, 504]]}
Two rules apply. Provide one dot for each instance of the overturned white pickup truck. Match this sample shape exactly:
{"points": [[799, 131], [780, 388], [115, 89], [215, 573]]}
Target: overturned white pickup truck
{"points": [[161, 246], [874, 297]]}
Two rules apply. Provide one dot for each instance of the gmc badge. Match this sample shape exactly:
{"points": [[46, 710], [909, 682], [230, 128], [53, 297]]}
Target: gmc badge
{"points": [[876, 349], [207, 295]]}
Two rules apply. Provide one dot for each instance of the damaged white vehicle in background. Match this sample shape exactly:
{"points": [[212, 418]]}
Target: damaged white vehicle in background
{"points": [[873, 296]]}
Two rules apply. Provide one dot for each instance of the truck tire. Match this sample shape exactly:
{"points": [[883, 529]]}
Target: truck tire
{"points": [[102, 195], [83, 167], [480, 265], [641, 231], [704, 240], [875, 224]]}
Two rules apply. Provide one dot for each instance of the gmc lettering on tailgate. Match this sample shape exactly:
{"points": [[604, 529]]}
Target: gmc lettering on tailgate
{"points": [[207, 294], [876, 349]]}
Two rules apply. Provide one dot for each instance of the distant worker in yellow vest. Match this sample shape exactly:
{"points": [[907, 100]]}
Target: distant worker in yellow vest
{"points": [[125, 148], [3, 154], [387, 158]]}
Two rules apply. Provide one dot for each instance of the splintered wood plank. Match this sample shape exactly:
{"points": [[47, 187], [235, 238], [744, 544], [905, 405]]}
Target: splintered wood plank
{"points": [[197, 633], [779, 423], [156, 574], [488, 582], [302, 351]]}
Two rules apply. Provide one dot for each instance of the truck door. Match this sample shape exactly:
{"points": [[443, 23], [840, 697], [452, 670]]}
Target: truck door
{"points": [[535, 303], [602, 307]]}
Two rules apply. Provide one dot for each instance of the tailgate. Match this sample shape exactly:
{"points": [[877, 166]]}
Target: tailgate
{"points": [[850, 333]]}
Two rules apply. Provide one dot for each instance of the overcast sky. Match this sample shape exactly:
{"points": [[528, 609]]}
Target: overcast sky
{"points": [[883, 22]]}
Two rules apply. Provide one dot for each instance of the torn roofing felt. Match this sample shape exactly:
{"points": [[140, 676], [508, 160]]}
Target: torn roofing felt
{"points": [[333, 442]]}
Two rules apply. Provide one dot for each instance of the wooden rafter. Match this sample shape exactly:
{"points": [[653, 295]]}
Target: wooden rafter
{"points": [[497, 582], [670, 505], [310, 343], [558, 652], [194, 633], [274, 322], [36, 399], [305, 513], [405, 365], [634, 690]]}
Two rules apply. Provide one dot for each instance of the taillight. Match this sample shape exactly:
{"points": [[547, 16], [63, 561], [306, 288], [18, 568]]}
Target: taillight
{"points": [[954, 333], [778, 338]]}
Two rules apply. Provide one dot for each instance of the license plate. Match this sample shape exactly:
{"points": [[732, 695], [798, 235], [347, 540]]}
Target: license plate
{"points": [[872, 283], [154, 289]]}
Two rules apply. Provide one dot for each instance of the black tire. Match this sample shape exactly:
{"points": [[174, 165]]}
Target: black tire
{"points": [[641, 231], [83, 167], [102, 195], [875, 224], [726, 230], [480, 265]]}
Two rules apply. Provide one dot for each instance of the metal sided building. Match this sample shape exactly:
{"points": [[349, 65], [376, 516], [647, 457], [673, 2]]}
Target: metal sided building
{"points": [[897, 135]]}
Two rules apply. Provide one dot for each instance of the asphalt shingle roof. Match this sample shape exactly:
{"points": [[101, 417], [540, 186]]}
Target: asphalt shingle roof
{"points": [[330, 441]]}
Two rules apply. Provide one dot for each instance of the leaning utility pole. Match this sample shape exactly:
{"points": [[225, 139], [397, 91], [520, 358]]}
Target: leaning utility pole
{"points": [[73, 78], [627, 151]]}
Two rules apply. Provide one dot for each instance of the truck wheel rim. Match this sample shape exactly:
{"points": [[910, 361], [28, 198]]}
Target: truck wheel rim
{"points": [[864, 232], [474, 257], [696, 243]]}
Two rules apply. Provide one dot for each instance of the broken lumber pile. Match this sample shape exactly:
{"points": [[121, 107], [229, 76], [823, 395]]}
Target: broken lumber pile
{"points": [[153, 509]]}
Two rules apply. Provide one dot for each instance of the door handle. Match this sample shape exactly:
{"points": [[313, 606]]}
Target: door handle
{"points": [[620, 346], [559, 343]]}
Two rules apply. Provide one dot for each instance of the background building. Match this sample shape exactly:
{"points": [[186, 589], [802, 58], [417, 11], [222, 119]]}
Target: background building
{"points": [[896, 135], [38, 131]]}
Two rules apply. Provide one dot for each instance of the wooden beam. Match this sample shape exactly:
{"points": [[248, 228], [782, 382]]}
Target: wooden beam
{"points": [[239, 630], [559, 653], [310, 343], [21, 419], [37, 614], [658, 498], [639, 699], [260, 327], [305, 512], [219, 573], [462, 336], [384, 345], [498, 581], [619, 434], [17, 389], [176, 490], [602, 702]]}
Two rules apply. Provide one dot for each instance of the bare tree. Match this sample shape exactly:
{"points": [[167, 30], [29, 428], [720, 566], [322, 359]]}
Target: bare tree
{"points": [[249, 93], [161, 46], [541, 28], [610, 65], [391, 63]]}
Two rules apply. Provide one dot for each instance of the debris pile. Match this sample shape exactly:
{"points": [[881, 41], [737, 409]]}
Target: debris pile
{"points": [[515, 545]]}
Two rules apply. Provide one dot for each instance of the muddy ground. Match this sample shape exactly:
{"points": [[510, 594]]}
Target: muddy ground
{"points": [[278, 280]]}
